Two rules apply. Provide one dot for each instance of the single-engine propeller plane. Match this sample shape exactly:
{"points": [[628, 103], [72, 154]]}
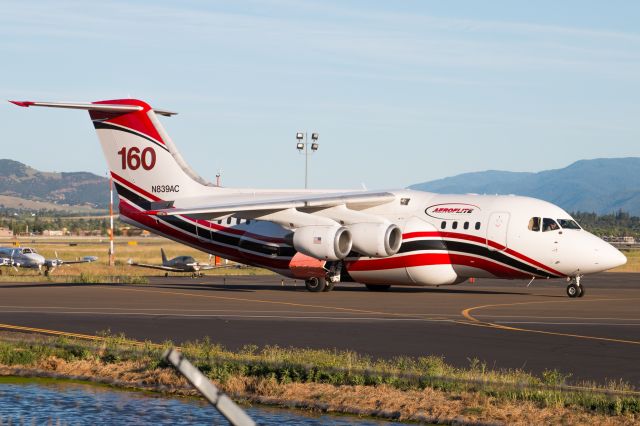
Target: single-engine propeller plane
{"points": [[178, 264], [377, 238]]}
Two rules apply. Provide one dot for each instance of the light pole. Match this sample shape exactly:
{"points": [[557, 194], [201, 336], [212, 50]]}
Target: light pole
{"points": [[304, 148]]}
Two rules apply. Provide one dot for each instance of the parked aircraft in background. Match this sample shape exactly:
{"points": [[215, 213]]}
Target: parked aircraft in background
{"points": [[27, 257], [179, 264], [378, 238]]}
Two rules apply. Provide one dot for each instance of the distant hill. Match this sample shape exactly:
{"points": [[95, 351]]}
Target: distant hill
{"points": [[604, 185], [26, 187]]}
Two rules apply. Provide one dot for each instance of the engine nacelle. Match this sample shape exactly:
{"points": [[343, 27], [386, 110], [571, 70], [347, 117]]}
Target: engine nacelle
{"points": [[376, 239], [323, 241]]}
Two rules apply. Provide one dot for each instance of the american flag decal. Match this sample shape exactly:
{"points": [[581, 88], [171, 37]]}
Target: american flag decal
{"points": [[317, 240]]}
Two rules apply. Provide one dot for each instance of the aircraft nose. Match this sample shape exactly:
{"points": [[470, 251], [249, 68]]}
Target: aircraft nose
{"points": [[610, 257]]}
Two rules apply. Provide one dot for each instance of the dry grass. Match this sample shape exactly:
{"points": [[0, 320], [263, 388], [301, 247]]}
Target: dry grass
{"points": [[141, 250], [274, 376], [384, 401]]}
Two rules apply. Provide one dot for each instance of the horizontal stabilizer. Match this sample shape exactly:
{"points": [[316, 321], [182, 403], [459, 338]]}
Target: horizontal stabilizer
{"points": [[90, 107]]}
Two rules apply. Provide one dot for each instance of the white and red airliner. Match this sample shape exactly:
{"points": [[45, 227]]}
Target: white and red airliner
{"points": [[381, 238]]}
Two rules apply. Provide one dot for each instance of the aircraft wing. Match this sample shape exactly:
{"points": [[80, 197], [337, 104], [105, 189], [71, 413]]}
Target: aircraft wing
{"points": [[86, 259], [161, 267], [58, 262], [206, 267], [284, 210]]}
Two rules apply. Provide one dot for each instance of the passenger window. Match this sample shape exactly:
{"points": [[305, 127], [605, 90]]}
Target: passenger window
{"points": [[443, 225], [237, 221], [219, 221], [466, 225], [534, 224], [248, 222], [454, 225], [549, 225], [229, 220], [477, 226]]}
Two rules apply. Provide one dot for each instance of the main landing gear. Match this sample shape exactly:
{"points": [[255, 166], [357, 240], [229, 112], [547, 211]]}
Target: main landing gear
{"points": [[575, 289], [318, 284]]}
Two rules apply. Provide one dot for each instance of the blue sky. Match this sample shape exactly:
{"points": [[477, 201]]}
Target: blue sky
{"points": [[400, 92]]}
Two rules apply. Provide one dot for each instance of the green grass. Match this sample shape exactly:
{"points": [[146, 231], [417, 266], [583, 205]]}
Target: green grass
{"points": [[287, 365]]}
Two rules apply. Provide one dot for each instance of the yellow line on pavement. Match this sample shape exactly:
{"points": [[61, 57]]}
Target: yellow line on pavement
{"points": [[70, 334], [52, 332], [474, 321]]}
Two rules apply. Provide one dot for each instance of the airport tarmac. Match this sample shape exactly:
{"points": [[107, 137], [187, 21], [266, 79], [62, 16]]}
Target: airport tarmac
{"points": [[502, 323]]}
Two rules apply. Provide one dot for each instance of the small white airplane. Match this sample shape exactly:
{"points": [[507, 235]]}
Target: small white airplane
{"points": [[377, 238], [178, 264], [27, 257]]}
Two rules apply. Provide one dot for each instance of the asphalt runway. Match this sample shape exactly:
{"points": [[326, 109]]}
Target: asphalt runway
{"points": [[502, 323]]}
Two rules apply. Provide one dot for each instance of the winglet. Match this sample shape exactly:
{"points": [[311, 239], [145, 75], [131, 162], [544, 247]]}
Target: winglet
{"points": [[24, 104]]}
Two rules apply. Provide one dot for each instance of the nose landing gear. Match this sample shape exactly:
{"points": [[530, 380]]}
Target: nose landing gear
{"points": [[575, 289]]}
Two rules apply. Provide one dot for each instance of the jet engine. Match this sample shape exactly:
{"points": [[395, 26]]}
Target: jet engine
{"points": [[376, 239], [323, 241]]}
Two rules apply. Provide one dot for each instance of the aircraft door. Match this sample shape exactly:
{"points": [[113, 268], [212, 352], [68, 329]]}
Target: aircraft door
{"points": [[552, 237], [497, 231]]}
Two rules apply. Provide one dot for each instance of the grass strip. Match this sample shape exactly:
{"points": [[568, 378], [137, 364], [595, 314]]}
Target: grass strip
{"points": [[283, 366]]}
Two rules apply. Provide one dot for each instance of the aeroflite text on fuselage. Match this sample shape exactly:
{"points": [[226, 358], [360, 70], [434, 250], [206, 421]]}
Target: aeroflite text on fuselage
{"points": [[378, 238]]}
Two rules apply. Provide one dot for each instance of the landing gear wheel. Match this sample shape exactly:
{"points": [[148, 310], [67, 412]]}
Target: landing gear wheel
{"points": [[581, 292], [329, 286], [378, 287], [315, 284], [573, 290], [166, 274]]}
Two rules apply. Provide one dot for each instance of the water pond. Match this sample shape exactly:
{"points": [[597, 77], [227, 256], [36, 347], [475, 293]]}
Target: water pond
{"points": [[64, 403]]}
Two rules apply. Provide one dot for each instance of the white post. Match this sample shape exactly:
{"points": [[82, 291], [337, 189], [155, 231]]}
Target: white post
{"points": [[111, 252]]}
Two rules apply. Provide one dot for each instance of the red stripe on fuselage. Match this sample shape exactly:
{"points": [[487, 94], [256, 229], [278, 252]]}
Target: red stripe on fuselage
{"points": [[231, 253], [481, 240], [429, 259], [201, 222], [135, 187]]}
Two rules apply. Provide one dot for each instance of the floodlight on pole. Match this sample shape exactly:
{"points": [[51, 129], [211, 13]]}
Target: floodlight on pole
{"points": [[306, 148]]}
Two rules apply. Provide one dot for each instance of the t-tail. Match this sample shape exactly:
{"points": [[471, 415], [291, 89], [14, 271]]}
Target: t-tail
{"points": [[146, 167]]}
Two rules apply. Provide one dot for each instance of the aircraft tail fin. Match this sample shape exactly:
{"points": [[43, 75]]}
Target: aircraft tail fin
{"points": [[146, 167], [164, 257]]}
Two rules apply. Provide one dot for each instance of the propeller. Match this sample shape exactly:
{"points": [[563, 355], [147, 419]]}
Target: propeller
{"points": [[14, 265]]}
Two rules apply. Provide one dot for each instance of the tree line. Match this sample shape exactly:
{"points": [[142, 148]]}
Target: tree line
{"points": [[619, 224]]}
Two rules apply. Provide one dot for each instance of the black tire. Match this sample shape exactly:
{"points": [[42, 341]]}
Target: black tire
{"points": [[329, 286], [378, 287], [581, 294], [166, 274], [315, 284], [573, 290]]}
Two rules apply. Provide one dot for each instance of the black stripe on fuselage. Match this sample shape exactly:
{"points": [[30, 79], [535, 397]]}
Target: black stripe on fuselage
{"points": [[473, 249], [104, 125], [205, 234]]}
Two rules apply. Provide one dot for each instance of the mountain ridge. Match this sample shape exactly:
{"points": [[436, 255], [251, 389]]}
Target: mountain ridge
{"points": [[72, 189], [602, 185]]}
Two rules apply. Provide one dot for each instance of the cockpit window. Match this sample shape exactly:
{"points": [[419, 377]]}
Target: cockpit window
{"points": [[568, 224], [534, 224], [549, 225], [27, 251]]}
